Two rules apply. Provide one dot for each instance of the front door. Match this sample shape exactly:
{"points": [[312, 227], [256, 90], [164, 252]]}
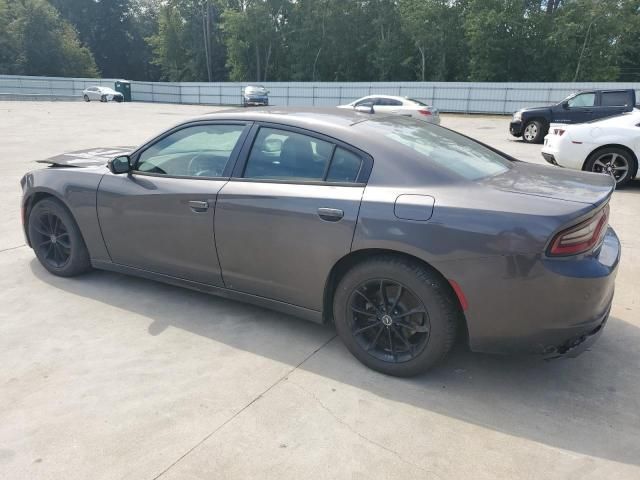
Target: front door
{"points": [[159, 218], [581, 108], [288, 215]]}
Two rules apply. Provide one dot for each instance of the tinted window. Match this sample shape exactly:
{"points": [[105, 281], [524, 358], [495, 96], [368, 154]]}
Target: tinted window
{"points": [[366, 101], [388, 102], [614, 99], [202, 150], [448, 150], [583, 100], [417, 102], [345, 166], [279, 154]]}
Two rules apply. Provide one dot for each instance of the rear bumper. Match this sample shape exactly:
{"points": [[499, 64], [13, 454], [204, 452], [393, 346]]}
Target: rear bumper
{"points": [[550, 158], [515, 128], [543, 306], [256, 101]]}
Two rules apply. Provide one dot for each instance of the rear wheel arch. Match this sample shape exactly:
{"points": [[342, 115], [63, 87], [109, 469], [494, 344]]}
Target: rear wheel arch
{"points": [[342, 266], [613, 145]]}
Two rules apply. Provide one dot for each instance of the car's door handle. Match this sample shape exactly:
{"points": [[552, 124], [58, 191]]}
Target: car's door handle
{"points": [[198, 205], [330, 214]]}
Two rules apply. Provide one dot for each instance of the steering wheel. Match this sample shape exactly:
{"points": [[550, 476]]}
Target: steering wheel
{"points": [[196, 170]]}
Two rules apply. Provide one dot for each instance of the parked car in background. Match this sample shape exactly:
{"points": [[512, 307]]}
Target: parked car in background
{"points": [[396, 105], [104, 94], [610, 146], [532, 124], [403, 234], [255, 95]]}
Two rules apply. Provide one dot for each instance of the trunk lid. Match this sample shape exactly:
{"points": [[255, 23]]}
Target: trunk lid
{"points": [[554, 182]]}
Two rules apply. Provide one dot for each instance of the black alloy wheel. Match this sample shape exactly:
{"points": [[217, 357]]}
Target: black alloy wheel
{"points": [[56, 239], [388, 320], [51, 240], [396, 315]]}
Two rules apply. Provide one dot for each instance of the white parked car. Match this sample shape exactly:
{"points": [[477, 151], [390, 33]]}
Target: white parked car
{"points": [[396, 105], [104, 94], [610, 146]]}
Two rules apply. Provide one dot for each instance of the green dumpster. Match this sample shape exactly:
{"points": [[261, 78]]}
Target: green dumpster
{"points": [[124, 87]]}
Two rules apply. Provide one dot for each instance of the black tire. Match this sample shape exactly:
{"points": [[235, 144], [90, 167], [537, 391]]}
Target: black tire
{"points": [[86, 98], [56, 239], [103, 98], [534, 131], [431, 334], [618, 163]]}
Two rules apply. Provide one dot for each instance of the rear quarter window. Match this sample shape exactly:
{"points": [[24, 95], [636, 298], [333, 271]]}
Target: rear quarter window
{"points": [[443, 148], [615, 99]]}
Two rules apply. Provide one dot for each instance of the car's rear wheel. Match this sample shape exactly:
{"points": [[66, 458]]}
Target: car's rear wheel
{"points": [[86, 98], [616, 162], [395, 316], [533, 132], [56, 239]]}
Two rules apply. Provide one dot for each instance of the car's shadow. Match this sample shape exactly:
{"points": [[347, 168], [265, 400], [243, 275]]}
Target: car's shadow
{"points": [[588, 405]]}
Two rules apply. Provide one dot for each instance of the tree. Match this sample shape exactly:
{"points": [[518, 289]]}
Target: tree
{"points": [[42, 43], [436, 29]]}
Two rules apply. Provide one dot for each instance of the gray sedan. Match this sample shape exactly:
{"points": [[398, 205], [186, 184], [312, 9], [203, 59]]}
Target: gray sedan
{"points": [[404, 235]]}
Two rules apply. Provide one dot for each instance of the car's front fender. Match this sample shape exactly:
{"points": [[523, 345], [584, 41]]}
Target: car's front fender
{"points": [[76, 189]]}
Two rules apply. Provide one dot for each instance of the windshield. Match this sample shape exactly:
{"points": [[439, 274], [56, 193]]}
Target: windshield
{"points": [[448, 150], [255, 89]]}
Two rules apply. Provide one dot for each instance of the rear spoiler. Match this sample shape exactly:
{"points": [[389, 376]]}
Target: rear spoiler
{"points": [[90, 157]]}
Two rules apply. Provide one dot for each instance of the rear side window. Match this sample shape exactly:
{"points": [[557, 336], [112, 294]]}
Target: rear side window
{"points": [[345, 166], [615, 99], [280, 154], [444, 148]]}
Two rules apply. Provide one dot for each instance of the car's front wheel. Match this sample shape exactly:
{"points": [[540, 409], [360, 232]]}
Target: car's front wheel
{"points": [[56, 239], [86, 98], [533, 132], [613, 161], [396, 316]]}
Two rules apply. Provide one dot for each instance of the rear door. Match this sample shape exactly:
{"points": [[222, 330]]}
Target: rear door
{"points": [[288, 214], [159, 218], [615, 102]]}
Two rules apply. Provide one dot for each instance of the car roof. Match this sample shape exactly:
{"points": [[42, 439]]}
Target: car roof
{"points": [[318, 119], [393, 97]]}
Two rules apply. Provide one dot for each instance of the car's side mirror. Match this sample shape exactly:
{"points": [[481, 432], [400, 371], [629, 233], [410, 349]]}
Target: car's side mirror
{"points": [[365, 108], [565, 105], [121, 164]]}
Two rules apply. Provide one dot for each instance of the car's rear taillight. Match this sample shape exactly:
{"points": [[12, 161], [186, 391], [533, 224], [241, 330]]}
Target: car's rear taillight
{"points": [[424, 111], [582, 237]]}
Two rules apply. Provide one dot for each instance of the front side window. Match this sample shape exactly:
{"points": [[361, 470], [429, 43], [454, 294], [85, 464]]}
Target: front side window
{"points": [[582, 100], [198, 151], [283, 155], [367, 101]]}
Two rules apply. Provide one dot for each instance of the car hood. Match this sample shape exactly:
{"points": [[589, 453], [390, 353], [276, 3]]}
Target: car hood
{"points": [[540, 110], [89, 157], [554, 182]]}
